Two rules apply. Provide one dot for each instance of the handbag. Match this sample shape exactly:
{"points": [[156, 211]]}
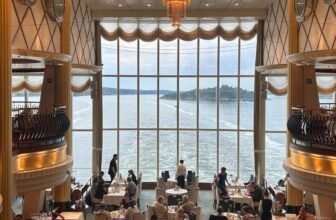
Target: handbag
{"points": [[154, 216]]}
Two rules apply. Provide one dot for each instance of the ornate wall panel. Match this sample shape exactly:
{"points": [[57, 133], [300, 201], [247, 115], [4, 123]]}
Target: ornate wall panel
{"points": [[318, 31], [82, 34], [275, 34], [32, 28]]}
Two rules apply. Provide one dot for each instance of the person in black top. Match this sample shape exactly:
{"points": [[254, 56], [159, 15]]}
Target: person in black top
{"points": [[133, 177], [113, 167], [256, 192], [265, 207], [222, 180]]}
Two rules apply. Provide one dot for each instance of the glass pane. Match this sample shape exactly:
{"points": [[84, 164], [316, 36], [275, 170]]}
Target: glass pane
{"points": [[148, 102], [188, 149], [109, 148], [228, 153], [228, 57], [208, 57], [148, 155], [82, 157], [128, 57], [168, 57], [148, 58], [128, 152], [128, 102], [248, 56], [168, 102], [228, 109], [109, 56], [246, 102], [276, 113], [168, 152], [275, 154], [81, 111], [246, 155], [207, 155], [188, 57], [188, 103], [109, 102], [208, 103]]}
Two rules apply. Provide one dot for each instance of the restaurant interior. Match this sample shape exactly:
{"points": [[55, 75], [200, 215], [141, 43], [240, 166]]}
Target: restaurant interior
{"points": [[238, 94]]}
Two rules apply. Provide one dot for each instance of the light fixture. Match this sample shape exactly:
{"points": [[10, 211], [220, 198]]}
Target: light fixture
{"points": [[27, 2], [149, 5], [176, 10], [55, 9], [120, 5]]}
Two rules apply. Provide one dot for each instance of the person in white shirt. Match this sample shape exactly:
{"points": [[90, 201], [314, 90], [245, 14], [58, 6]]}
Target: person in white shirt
{"points": [[160, 209], [131, 210], [181, 173], [102, 213]]}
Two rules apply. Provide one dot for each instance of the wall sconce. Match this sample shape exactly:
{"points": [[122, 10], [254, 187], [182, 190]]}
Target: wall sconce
{"points": [[329, 2], [27, 2], [55, 9], [303, 8]]}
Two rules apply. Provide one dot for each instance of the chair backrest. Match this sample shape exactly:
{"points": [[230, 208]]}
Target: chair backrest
{"points": [[161, 184], [100, 216], [76, 195], [139, 216], [160, 192], [194, 195], [197, 210], [215, 217], [150, 211], [138, 192]]}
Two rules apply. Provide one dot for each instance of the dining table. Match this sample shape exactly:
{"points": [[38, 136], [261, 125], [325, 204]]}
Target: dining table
{"points": [[176, 192], [114, 196]]}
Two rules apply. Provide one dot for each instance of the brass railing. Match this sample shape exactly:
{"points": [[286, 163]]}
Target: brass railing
{"points": [[32, 128], [314, 127]]}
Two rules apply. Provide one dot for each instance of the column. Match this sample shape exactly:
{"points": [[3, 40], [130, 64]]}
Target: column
{"points": [[324, 206], [5, 109], [97, 104], [64, 97], [294, 97]]}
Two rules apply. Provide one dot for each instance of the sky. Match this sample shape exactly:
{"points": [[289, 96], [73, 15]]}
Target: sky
{"points": [[188, 63]]}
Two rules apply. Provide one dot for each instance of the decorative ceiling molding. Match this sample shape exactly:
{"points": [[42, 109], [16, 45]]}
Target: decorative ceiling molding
{"points": [[140, 13]]}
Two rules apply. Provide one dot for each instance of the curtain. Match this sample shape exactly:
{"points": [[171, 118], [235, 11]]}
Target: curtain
{"points": [[149, 30]]}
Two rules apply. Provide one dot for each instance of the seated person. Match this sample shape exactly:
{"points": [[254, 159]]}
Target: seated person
{"points": [[304, 215], [133, 177], [99, 189], [160, 209], [130, 188], [131, 210], [247, 213], [180, 215], [186, 204], [102, 212], [255, 191], [18, 217], [219, 211], [125, 202]]}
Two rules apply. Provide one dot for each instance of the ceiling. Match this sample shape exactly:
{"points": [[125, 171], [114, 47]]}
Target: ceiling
{"points": [[197, 8]]}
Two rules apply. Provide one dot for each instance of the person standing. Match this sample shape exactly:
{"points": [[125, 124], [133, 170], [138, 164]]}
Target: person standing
{"points": [[222, 180], [181, 173], [266, 207], [113, 167]]}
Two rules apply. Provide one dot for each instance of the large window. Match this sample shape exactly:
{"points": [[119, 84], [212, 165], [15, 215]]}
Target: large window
{"points": [[170, 100]]}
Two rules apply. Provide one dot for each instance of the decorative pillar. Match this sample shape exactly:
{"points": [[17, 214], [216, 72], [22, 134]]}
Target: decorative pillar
{"points": [[64, 97], [324, 206], [5, 110], [294, 98], [97, 103]]}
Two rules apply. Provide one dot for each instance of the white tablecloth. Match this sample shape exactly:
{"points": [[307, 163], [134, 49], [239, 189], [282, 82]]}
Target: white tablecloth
{"points": [[176, 192], [242, 197], [117, 215], [114, 198], [171, 213], [72, 215]]}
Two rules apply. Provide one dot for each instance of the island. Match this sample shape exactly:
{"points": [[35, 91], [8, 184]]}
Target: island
{"points": [[227, 93]]}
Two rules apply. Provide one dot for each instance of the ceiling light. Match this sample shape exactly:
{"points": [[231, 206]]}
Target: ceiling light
{"points": [[149, 5], [207, 4], [176, 10], [236, 4], [120, 5]]}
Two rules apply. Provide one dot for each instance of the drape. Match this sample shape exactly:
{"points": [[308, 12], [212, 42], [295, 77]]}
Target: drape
{"points": [[130, 30]]}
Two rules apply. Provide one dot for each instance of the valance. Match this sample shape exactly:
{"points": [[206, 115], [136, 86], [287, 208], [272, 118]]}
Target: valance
{"points": [[130, 30]]}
